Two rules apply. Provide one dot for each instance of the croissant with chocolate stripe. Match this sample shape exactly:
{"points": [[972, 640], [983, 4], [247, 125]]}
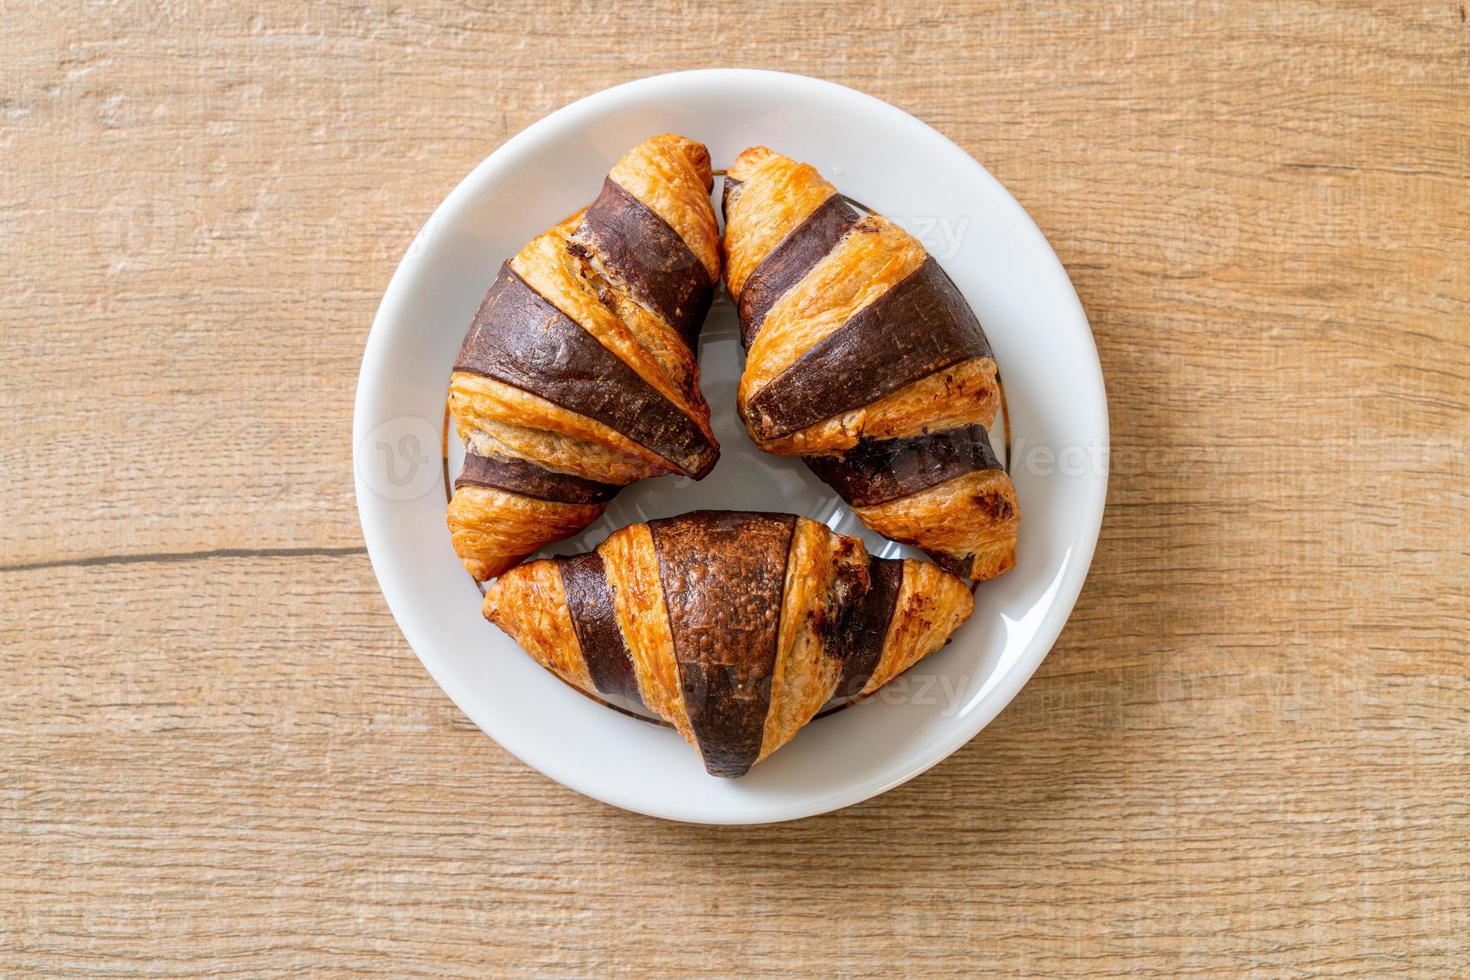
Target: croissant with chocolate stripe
{"points": [[863, 357], [578, 374], [734, 627]]}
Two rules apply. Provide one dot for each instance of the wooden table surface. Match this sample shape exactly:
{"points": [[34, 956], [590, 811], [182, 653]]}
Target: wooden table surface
{"points": [[1246, 753]]}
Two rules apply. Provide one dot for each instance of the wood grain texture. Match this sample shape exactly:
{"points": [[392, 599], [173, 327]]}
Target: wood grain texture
{"points": [[1246, 755]]}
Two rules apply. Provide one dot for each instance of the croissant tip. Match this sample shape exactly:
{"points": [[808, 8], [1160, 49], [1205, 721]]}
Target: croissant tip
{"points": [[479, 570], [705, 467], [695, 152], [490, 606], [752, 155]]}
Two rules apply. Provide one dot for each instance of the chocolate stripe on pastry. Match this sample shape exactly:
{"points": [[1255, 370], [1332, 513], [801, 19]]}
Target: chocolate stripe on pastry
{"points": [[960, 565], [866, 625], [723, 576], [530, 480], [589, 600], [919, 326], [789, 262], [877, 471], [639, 247], [521, 339], [727, 197]]}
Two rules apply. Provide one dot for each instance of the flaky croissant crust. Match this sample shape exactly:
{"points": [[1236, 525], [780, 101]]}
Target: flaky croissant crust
{"points": [[580, 362], [772, 199], [859, 347], [735, 628]]}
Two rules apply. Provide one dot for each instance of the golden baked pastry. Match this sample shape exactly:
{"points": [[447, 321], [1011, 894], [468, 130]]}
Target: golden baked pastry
{"points": [[734, 627], [578, 374], [863, 357]]}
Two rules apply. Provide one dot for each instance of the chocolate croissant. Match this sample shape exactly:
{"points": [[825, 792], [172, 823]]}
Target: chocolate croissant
{"points": [[863, 357], [578, 374], [734, 627]]}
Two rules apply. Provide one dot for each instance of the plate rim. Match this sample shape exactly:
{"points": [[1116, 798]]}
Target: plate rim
{"points": [[1008, 685]]}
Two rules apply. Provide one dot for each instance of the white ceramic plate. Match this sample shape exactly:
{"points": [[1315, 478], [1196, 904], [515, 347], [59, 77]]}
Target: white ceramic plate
{"points": [[887, 160]]}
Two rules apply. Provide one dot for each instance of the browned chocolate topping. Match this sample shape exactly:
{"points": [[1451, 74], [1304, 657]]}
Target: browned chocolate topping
{"points": [[520, 338], [877, 471], [789, 262], [919, 326], [961, 565], [728, 195], [589, 600], [723, 576], [638, 246], [865, 625], [530, 480]]}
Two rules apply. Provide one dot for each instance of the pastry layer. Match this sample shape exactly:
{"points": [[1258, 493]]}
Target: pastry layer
{"points": [[877, 471], [966, 524], [931, 604], [859, 270], [493, 529], [531, 606], [639, 248], [496, 418], [919, 326], [568, 275], [521, 339], [671, 175], [790, 261], [824, 574], [632, 569], [959, 395], [526, 478], [774, 194]]}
